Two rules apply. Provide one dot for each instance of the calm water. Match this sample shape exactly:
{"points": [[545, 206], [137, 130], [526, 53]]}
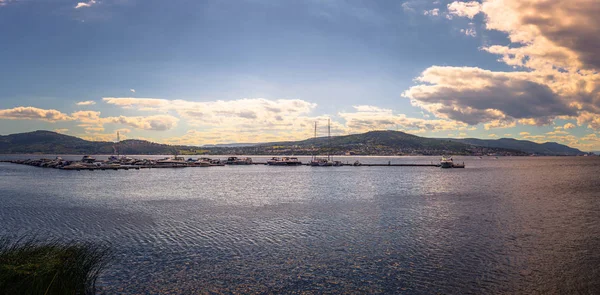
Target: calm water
{"points": [[511, 225]]}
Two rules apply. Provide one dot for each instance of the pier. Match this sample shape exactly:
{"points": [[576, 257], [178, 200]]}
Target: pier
{"points": [[152, 164]]}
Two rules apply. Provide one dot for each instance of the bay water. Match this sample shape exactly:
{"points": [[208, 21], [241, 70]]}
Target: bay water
{"points": [[518, 225]]}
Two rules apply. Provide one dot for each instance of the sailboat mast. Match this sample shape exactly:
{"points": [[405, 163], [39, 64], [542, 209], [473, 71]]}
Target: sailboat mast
{"points": [[328, 139], [314, 141], [118, 144]]}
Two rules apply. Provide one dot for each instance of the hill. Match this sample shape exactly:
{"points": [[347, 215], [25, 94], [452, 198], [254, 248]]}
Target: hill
{"points": [[47, 142], [384, 143], [370, 143], [547, 149]]}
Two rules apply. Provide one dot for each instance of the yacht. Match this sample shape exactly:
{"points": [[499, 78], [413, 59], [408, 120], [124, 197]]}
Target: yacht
{"points": [[175, 161], [213, 162], [446, 162], [321, 162], [285, 161], [88, 159], [238, 161]]}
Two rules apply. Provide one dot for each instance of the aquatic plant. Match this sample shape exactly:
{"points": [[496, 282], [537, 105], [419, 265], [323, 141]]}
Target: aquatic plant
{"points": [[29, 266]]}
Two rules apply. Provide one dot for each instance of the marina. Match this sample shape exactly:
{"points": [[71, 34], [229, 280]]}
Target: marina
{"points": [[89, 163]]}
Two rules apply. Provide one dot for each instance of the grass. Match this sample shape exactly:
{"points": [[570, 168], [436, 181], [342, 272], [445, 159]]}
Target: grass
{"points": [[28, 266]]}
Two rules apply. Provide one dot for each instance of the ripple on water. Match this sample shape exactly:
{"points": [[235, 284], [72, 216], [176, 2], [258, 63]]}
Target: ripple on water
{"points": [[512, 225]]}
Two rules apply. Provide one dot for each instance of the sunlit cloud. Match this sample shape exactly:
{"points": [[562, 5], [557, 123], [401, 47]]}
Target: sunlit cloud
{"points": [[85, 4], [86, 103], [464, 9], [32, 113], [92, 121], [367, 118], [554, 50], [569, 126]]}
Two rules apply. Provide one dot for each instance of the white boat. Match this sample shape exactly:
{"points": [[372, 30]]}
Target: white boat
{"points": [[285, 161], [238, 161], [446, 162], [321, 162], [175, 161]]}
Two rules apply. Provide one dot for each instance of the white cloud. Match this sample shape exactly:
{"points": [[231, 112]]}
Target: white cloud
{"points": [[92, 121], [86, 103], [32, 113], [132, 90], [406, 6], [464, 9], [283, 119], [85, 4], [432, 12], [368, 118], [569, 126], [157, 122], [471, 32]]}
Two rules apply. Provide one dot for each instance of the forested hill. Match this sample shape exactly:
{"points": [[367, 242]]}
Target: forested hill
{"points": [[370, 143]]}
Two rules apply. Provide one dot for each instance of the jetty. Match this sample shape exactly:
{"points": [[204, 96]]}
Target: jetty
{"points": [[90, 164]]}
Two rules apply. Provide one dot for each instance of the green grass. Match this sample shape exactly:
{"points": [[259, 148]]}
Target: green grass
{"points": [[28, 266]]}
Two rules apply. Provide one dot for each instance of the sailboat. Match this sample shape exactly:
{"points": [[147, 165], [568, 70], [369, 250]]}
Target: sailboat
{"points": [[321, 162]]}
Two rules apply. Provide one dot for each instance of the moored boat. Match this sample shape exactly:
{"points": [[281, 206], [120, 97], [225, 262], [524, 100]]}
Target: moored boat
{"points": [[88, 159], [285, 161], [321, 162], [238, 161], [446, 162]]}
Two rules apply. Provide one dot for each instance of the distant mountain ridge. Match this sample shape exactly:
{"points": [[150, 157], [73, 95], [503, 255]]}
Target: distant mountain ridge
{"points": [[369, 143], [530, 147]]}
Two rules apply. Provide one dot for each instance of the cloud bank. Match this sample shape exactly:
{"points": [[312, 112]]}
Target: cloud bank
{"points": [[554, 53]]}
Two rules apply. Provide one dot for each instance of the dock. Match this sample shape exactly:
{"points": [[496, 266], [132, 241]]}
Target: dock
{"points": [[149, 164]]}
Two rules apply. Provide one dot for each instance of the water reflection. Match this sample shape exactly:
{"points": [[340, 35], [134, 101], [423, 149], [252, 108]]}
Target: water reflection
{"points": [[513, 225]]}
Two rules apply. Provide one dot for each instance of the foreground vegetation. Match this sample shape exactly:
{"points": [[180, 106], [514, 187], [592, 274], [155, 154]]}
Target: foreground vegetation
{"points": [[28, 266]]}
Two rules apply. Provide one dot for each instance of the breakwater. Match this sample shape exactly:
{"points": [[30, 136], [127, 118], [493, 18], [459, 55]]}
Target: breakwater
{"points": [[90, 164]]}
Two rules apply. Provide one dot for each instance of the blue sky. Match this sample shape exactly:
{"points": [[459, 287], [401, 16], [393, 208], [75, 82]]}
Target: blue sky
{"points": [[200, 72]]}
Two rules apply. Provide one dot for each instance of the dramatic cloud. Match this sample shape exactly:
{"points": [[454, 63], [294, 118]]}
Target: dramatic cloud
{"points": [[464, 9], [86, 103], [554, 47], [473, 95], [31, 113], [550, 30], [85, 4]]}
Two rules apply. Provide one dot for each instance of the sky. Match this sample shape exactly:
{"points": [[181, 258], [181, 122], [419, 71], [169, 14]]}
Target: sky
{"points": [[204, 72]]}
